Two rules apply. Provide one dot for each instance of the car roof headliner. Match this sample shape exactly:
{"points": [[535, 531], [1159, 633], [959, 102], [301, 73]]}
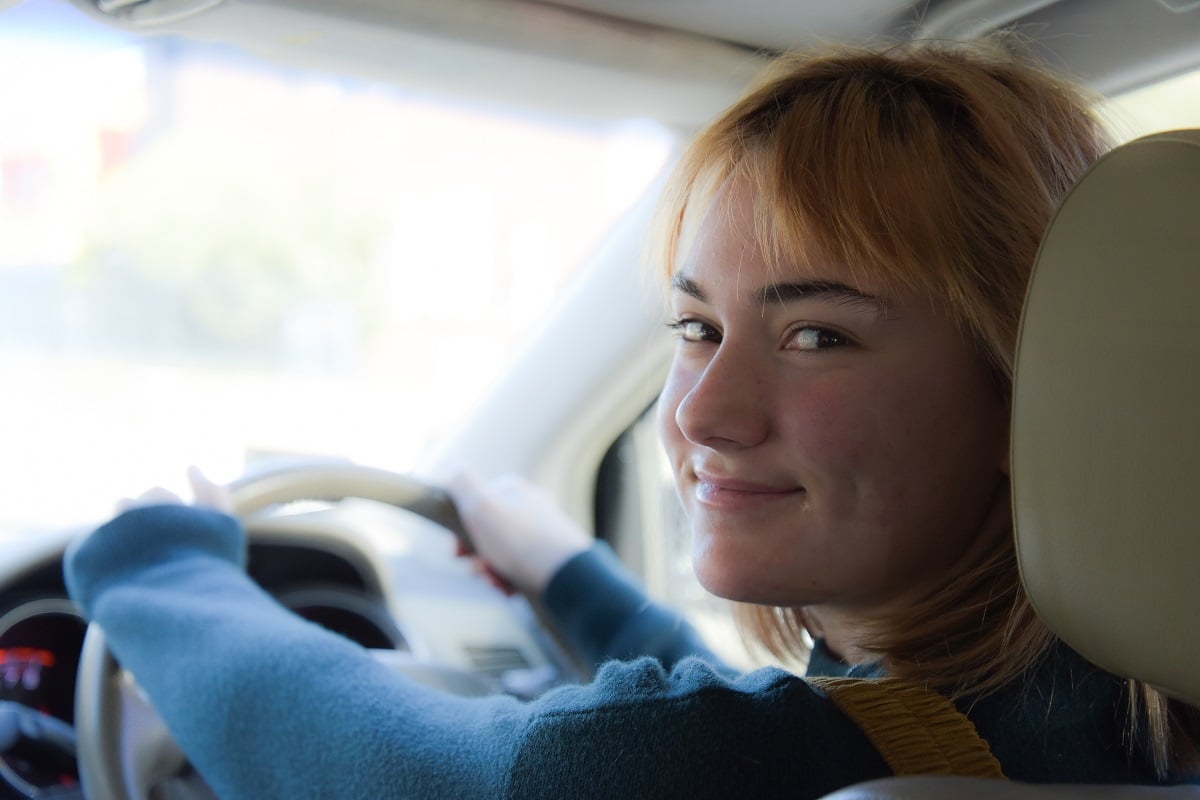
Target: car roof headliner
{"points": [[679, 62]]}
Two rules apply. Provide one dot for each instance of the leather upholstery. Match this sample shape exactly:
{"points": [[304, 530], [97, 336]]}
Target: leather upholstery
{"points": [[1106, 417]]}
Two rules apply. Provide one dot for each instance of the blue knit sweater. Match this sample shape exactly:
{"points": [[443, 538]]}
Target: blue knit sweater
{"points": [[267, 705]]}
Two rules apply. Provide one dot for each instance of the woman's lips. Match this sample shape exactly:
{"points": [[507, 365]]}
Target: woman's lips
{"points": [[733, 493]]}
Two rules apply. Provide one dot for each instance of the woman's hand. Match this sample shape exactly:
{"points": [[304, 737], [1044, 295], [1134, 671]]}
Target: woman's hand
{"points": [[206, 494], [519, 533]]}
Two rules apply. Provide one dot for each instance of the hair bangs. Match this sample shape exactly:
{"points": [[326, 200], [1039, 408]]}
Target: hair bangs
{"points": [[849, 180]]}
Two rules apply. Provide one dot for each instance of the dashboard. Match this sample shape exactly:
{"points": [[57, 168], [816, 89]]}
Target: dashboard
{"points": [[375, 574]]}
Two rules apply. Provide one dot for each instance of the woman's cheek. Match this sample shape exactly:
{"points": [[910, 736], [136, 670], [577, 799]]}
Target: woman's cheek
{"points": [[833, 423]]}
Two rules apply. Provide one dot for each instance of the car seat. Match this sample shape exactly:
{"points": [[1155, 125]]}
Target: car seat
{"points": [[1106, 440]]}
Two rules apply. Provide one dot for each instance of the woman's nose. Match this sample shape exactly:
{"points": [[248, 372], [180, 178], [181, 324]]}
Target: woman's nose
{"points": [[728, 403]]}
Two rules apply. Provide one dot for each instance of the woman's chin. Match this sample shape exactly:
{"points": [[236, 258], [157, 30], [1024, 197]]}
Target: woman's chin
{"points": [[738, 584], [723, 568]]}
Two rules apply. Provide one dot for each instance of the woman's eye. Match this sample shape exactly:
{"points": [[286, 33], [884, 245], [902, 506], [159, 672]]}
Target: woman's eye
{"points": [[817, 339], [693, 330]]}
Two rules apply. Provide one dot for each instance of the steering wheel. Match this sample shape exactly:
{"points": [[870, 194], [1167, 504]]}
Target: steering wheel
{"points": [[124, 749]]}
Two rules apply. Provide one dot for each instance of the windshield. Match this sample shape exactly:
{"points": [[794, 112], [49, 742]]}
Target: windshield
{"points": [[209, 258]]}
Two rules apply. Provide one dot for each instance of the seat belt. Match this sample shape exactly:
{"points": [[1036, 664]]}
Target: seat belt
{"points": [[917, 731]]}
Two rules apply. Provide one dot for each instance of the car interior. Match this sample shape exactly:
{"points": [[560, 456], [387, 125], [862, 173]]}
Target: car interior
{"points": [[336, 475]]}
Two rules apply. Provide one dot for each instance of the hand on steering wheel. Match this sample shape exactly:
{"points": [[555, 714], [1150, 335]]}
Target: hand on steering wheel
{"points": [[124, 749], [206, 494]]}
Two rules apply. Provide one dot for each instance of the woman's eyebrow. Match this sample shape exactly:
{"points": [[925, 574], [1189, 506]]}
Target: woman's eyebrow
{"points": [[782, 293], [682, 283]]}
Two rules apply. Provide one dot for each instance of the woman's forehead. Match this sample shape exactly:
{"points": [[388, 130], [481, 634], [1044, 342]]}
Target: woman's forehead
{"points": [[787, 216], [735, 234]]}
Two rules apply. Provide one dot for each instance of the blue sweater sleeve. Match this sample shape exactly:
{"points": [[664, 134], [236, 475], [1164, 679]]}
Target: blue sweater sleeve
{"points": [[264, 703], [268, 705], [604, 614]]}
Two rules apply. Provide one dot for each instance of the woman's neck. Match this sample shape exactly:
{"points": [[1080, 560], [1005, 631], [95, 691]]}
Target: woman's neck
{"points": [[840, 630]]}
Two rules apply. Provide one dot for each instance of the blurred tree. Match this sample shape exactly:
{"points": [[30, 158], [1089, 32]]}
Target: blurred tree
{"points": [[209, 238]]}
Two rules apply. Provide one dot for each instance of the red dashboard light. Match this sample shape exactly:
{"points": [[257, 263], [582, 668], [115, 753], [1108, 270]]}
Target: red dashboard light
{"points": [[26, 655]]}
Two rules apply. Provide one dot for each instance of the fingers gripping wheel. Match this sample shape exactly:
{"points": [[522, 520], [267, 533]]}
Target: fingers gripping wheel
{"points": [[124, 749]]}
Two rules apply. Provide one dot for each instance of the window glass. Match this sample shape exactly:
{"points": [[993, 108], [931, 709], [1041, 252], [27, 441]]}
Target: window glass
{"points": [[1163, 106], [208, 257]]}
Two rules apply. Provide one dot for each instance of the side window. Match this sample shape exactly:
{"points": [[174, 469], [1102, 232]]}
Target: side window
{"points": [[640, 516], [1161, 106]]}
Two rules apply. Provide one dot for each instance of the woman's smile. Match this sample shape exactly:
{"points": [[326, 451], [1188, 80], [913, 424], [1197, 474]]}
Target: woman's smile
{"points": [[728, 493]]}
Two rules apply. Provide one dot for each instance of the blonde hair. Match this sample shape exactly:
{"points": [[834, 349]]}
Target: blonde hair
{"points": [[932, 166]]}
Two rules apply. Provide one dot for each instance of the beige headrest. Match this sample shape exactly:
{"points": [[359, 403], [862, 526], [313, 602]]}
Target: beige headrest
{"points": [[1106, 417]]}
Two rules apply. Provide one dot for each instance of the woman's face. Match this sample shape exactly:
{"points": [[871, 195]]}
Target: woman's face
{"points": [[834, 445]]}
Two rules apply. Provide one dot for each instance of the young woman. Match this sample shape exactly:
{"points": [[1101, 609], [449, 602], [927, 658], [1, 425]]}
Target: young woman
{"points": [[846, 250]]}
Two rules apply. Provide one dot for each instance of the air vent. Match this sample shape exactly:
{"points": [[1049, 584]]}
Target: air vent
{"points": [[495, 660]]}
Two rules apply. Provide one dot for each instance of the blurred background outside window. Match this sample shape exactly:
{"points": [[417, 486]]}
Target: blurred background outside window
{"points": [[209, 259]]}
